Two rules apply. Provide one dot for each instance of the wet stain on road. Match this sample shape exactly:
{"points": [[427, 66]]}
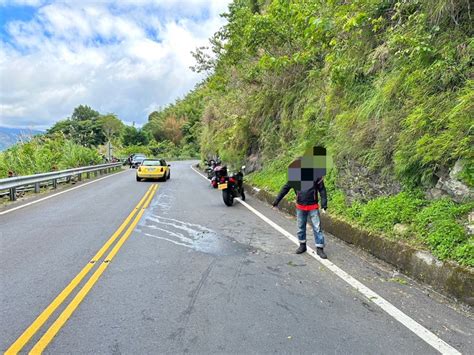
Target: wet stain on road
{"points": [[191, 235]]}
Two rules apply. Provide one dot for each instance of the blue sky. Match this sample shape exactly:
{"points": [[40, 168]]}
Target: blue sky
{"points": [[13, 13], [126, 57]]}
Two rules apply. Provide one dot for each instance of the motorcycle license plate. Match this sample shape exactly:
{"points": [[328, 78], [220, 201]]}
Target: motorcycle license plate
{"points": [[222, 186]]}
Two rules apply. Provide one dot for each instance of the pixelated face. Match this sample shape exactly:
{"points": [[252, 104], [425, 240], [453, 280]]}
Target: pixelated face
{"points": [[304, 171]]}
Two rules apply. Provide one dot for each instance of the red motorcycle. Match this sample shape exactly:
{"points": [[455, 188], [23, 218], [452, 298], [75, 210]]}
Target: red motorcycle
{"points": [[220, 172], [232, 186]]}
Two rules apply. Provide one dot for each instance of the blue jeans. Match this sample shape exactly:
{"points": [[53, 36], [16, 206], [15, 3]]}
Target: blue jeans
{"points": [[302, 219]]}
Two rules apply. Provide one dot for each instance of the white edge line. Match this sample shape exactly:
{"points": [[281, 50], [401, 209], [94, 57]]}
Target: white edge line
{"points": [[389, 308], [59, 193]]}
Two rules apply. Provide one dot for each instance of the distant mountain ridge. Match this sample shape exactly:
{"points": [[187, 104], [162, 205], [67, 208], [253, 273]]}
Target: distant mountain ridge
{"points": [[11, 136]]}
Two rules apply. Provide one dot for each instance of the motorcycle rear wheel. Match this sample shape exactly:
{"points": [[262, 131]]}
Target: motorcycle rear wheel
{"points": [[227, 197]]}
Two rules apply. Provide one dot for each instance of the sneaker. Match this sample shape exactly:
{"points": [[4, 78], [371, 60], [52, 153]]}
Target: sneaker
{"points": [[301, 249], [320, 252]]}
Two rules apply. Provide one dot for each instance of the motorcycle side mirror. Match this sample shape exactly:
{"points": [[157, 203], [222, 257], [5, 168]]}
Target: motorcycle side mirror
{"points": [[169, 165]]}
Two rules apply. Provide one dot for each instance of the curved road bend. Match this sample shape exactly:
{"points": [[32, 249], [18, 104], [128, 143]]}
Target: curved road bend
{"points": [[196, 276]]}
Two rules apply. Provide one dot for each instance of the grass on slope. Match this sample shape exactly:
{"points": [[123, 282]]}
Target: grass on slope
{"points": [[437, 226]]}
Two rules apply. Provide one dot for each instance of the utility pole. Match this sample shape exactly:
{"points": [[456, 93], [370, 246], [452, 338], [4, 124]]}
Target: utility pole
{"points": [[109, 151]]}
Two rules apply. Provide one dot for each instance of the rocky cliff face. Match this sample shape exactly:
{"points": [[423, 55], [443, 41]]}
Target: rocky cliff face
{"points": [[361, 184], [253, 163], [449, 184], [358, 183]]}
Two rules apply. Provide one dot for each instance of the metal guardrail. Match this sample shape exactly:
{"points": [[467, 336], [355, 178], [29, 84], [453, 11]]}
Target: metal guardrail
{"points": [[13, 183]]}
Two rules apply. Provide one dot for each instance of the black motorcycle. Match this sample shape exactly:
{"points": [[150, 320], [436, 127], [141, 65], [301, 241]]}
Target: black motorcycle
{"points": [[232, 186]]}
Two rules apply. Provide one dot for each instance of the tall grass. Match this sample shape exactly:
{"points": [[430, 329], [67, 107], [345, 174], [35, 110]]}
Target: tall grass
{"points": [[43, 154]]}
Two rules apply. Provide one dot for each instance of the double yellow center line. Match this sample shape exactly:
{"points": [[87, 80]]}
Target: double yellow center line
{"points": [[38, 348]]}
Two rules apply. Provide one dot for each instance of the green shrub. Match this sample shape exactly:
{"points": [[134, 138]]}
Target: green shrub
{"points": [[337, 203], [436, 224], [464, 253], [188, 151], [384, 212], [272, 177], [44, 154], [439, 227]]}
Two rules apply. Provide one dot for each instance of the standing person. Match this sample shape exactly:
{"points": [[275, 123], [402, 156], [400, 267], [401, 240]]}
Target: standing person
{"points": [[307, 206]]}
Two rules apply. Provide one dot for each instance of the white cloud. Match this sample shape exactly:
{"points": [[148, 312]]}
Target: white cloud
{"points": [[21, 2], [115, 57]]}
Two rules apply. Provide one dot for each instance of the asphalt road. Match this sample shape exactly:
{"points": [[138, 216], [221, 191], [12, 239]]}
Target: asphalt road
{"points": [[195, 276]]}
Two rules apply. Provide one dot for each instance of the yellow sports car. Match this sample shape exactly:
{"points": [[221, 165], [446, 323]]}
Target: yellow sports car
{"points": [[153, 169]]}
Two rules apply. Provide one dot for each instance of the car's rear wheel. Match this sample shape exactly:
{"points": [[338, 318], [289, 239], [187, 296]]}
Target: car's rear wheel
{"points": [[138, 179], [169, 176]]}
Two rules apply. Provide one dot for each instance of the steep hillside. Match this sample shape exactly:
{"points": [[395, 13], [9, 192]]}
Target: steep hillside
{"points": [[385, 85]]}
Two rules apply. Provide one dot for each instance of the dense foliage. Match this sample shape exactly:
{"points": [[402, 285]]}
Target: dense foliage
{"points": [[82, 139], [437, 225], [133, 136], [177, 126], [77, 141], [43, 154], [385, 85], [88, 127]]}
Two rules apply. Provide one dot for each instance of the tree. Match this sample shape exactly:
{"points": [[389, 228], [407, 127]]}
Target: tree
{"points": [[84, 112], [171, 129], [63, 126], [255, 6], [111, 126], [133, 136], [204, 61], [88, 132]]}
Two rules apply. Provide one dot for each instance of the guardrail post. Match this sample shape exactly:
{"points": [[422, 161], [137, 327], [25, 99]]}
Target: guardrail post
{"points": [[37, 187], [55, 183], [79, 177], [88, 175], [13, 194]]}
